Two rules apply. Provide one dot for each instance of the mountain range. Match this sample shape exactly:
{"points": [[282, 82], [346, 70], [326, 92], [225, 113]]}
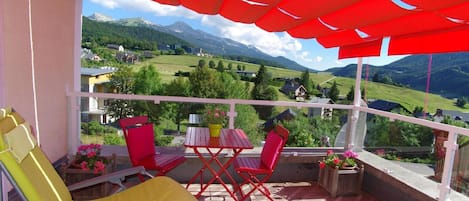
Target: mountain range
{"points": [[449, 75], [210, 43]]}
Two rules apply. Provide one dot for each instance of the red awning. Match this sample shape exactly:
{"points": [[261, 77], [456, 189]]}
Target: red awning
{"points": [[356, 27]]}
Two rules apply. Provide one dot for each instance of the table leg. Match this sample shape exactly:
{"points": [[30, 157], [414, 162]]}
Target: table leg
{"points": [[216, 174]]}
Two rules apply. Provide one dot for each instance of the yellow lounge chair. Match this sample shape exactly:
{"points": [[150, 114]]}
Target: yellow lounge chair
{"points": [[33, 176]]}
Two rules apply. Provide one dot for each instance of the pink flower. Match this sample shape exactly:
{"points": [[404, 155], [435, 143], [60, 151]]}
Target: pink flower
{"points": [[329, 152], [350, 154]]}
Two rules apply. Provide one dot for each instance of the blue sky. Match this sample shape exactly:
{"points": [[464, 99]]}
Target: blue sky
{"points": [[305, 52]]}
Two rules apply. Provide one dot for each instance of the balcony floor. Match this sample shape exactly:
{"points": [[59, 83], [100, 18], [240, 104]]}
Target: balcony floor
{"points": [[282, 191], [300, 191]]}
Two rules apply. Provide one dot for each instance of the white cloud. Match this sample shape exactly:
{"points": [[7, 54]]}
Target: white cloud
{"points": [[249, 34], [148, 6], [304, 56], [319, 58], [338, 62], [274, 44]]}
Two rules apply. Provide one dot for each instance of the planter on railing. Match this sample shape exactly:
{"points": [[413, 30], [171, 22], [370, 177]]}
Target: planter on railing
{"points": [[341, 182]]}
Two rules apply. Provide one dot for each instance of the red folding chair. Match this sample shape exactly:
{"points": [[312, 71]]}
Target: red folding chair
{"points": [[255, 172], [139, 136]]}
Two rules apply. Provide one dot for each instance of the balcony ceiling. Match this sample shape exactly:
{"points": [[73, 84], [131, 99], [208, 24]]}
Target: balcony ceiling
{"points": [[356, 27]]}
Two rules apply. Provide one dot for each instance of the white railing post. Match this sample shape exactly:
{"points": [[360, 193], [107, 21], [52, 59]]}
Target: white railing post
{"points": [[451, 147], [73, 122], [353, 118], [232, 114]]}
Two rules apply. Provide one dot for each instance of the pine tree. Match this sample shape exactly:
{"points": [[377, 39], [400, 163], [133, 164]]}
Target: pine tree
{"points": [[202, 63], [220, 66], [211, 64], [351, 93], [263, 91], [334, 92], [306, 82]]}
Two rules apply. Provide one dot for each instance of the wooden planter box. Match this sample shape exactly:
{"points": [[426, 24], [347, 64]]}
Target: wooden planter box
{"points": [[72, 174], [341, 182]]}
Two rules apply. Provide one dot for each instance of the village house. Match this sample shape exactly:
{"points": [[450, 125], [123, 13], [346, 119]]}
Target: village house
{"points": [[323, 112], [119, 48], [93, 81], [294, 90]]}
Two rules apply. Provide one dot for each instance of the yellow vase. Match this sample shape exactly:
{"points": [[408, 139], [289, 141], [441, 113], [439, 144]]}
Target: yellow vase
{"points": [[215, 129]]}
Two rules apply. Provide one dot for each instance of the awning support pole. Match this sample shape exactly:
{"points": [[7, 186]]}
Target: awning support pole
{"points": [[350, 139]]}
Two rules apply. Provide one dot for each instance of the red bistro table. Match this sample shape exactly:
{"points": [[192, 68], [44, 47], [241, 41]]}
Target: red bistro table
{"points": [[198, 138]]}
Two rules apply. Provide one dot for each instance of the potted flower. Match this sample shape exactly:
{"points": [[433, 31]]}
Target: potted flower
{"points": [[215, 119], [333, 160], [88, 158], [339, 174], [89, 163]]}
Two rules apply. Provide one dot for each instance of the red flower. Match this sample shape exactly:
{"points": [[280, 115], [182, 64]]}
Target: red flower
{"points": [[91, 154], [329, 152], [322, 165], [84, 165], [336, 161]]}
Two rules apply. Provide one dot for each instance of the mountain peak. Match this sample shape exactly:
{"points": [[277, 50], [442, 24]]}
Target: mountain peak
{"points": [[135, 21], [101, 17], [180, 27]]}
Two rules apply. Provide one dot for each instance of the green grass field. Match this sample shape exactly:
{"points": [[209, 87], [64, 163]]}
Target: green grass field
{"points": [[167, 65]]}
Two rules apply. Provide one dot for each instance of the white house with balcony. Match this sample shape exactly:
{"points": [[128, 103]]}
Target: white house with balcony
{"points": [[93, 81]]}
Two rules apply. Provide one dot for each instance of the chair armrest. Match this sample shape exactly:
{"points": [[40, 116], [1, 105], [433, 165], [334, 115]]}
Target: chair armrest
{"points": [[115, 178]]}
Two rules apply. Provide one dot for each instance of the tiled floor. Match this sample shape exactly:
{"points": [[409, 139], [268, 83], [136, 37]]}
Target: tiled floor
{"points": [[303, 191]]}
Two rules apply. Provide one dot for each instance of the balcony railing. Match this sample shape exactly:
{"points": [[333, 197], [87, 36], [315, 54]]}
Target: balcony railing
{"points": [[350, 143]]}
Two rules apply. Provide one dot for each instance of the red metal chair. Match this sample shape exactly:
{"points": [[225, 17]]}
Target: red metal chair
{"points": [[139, 136], [255, 172]]}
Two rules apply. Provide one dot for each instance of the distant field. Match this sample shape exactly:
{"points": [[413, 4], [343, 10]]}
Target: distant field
{"points": [[167, 65]]}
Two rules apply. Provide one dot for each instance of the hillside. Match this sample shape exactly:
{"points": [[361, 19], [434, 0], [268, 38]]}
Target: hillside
{"points": [[130, 37], [449, 77], [167, 65], [210, 43]]}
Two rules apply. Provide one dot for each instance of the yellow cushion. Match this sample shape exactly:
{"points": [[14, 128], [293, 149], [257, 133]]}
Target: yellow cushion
{"points": [[20, 141], [9, 122], [160, 188], [44, 177], [4, 112]]}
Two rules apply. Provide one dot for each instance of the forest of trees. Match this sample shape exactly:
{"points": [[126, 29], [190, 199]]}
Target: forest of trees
{"points": [[218, 82], [95, 34]]}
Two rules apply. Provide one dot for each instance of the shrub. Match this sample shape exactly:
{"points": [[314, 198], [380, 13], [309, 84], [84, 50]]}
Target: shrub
{"points": [[113, 139]]}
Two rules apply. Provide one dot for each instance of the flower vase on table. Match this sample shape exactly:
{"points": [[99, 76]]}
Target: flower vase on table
{"points": [[215, 129], [215, 119]]}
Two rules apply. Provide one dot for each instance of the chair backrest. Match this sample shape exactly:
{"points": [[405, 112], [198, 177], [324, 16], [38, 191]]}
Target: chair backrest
{"points": [[273, 146], [125, 123], [30, 171], [140, 142]]}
